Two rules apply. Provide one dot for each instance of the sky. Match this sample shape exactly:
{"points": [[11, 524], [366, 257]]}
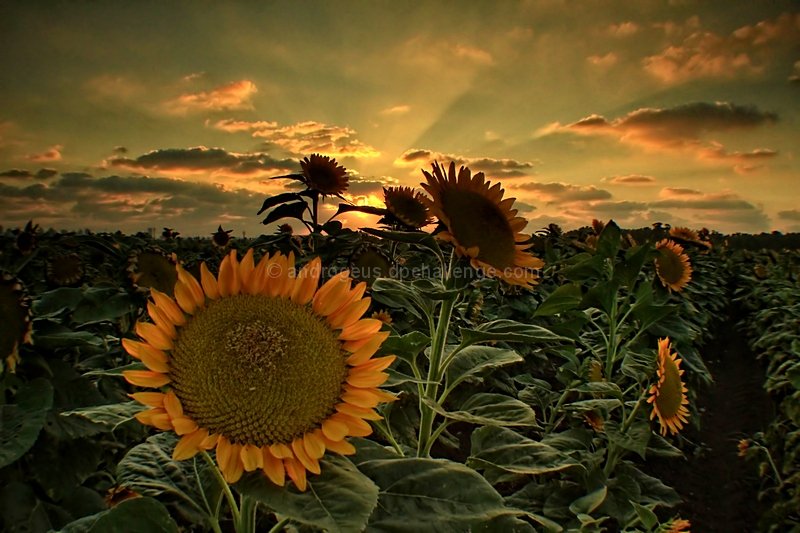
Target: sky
{"points": [[130, 115]]}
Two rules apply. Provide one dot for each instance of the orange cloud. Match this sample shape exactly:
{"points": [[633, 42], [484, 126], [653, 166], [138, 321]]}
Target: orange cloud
{"points": [[704, 54], [234, 95], [303, 137]]}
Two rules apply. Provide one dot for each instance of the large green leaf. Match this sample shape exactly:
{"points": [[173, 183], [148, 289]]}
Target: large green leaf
{"points": [[137, 515], [419, 494], [340, 499], [490, 409], [503, 448], [474, 360], [109, 416], [20, 423], [148, 469], [509, 331], [564, 298]]}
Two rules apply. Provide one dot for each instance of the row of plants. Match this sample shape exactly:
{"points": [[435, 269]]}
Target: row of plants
{"points": [[502, 382], [770, 294]]}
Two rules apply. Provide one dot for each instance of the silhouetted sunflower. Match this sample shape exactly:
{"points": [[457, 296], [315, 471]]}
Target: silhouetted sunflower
{"points": [[668, 395], [15, 326], [153, 269], [672, 265], [261, 365], [480, 224], [323, 174], [407, 206]]}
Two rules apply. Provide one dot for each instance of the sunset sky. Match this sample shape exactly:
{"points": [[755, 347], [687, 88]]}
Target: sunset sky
{"points": [[129, 115]]}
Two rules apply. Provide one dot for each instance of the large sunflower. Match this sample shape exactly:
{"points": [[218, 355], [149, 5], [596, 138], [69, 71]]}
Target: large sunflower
{"points": [[672, 265], [323, 174], [261, 365], [407, 206], [668, 395], [480, 224]]}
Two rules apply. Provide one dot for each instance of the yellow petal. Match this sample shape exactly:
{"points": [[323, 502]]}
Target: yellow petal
{"points": [[273, 468], [311, 464], [307, 281], [363, 354], [146, 378], [349, 314], [364, 328], [169, 307], [173, 405], [251, 457], [334, 430], [296, 472], [151, 399], [189, 445], [184, 297], [153, 335], [209, 282], [313, 444]]}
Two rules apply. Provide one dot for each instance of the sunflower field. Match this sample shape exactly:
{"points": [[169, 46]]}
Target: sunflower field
{"points": [[442, 371]]}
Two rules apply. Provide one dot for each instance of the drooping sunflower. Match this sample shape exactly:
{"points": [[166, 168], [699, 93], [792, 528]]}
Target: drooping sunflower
{"points": [[16, 326], [480, 224], [261, 365], [323, 174], [407, 206], [668, 394], [672, 265], [153, 269]]}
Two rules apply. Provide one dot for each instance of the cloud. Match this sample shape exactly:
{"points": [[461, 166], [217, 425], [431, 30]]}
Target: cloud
{"points": [[504, 168], [682, 127], [302, 138], [562, 193], [41, 174], [630, 179], [232, 96], [396, 110], [51, 154], [203, 159], [704, 54], [792, 214]]}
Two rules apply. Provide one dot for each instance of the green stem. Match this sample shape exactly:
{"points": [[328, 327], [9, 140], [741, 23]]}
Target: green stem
{"points": [[226, 489], [279, 526]]}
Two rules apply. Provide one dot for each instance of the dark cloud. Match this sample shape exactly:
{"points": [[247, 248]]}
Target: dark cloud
{"points": [[505, 168], [201, 158]]}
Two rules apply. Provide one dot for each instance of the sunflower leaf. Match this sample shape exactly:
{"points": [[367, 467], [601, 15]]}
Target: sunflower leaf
{"points": [[341, 498], [20, 423], [505, 449], [416, 493], [294, 210]]}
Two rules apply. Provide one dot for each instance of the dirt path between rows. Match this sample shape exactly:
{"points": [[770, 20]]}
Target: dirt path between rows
{"points": [[719, 488]]}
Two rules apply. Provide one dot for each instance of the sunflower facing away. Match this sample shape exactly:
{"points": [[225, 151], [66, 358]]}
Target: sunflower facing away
{"points": [[323, 174], [407, 206], [480, 224], [261, 365], [668, 395], [672, 265]]}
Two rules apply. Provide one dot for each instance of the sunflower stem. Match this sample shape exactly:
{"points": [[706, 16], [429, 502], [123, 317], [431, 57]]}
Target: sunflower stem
{"points": [[226, 489], [438, 343]]}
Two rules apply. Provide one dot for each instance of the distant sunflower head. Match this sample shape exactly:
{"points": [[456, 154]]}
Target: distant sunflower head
{"points": [[324, 175], [261, 365], [407, 206], [480, 224], [65, 270], [672, 265], [369, 263], [152, 268], [668, 394], [222, 237], [15, 327]]}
